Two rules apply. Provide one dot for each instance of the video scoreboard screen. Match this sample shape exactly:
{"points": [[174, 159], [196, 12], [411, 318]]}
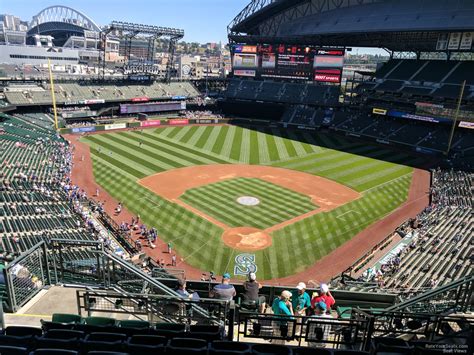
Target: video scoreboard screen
{"points": [[152, 107], [288, 62]]}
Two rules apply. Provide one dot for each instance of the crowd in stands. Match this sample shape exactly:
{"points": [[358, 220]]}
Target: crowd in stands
{"points": [[441, 246], [203, 115]]}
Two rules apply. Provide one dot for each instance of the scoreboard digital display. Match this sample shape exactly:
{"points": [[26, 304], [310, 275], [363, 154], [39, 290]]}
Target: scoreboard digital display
{"points": [[292, 62]]}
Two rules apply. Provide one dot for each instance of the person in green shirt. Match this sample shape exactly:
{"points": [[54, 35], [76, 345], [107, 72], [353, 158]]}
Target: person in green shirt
{"points": [[300, 300], [282, 305]]}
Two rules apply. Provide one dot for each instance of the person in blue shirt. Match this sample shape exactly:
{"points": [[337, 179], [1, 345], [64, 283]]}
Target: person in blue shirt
{"points": [[224, 291], [282, 304], [300, 300]]}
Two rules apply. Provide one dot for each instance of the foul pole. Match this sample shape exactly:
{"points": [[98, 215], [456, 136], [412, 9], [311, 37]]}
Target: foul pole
{"points": [[53, 96], [456, 116]]}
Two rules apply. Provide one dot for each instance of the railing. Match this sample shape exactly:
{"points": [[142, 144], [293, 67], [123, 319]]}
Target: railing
{"points": [[429, 327], [453, 297], [26, 275], [311, 331], [156, 308]]}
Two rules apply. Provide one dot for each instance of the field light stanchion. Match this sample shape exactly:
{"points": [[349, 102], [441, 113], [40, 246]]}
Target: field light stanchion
{"points": [[53, 96]]}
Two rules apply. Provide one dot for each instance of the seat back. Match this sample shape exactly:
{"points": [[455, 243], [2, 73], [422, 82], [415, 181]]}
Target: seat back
{"points": [[23, 331], [229, 347], [100, 321], [12, 350], [64, 334], [138, 324], [270, 349], [66, 318]]}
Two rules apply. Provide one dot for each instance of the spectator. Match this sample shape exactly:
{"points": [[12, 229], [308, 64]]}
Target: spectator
{"points": [[251, 296], [326, 297], [321, 331], [282, 304], [223, 291], [182, 290], [300, 300]]}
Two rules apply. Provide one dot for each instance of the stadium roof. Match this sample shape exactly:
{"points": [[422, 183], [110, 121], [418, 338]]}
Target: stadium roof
{"points": [[398, 25]]}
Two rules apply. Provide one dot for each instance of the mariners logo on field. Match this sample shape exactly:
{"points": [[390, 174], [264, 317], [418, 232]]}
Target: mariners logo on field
{"points": [[244, 264]]}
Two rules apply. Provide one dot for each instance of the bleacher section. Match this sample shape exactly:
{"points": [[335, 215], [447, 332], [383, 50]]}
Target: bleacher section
{"points": [[26, 95], [430, 79], [266, 91], [441, 246]]}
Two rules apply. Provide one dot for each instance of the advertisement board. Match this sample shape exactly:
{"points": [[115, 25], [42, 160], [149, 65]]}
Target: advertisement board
{"points": [[328, 75], [94, 101], [141, 99], [379, 111], [151, 123], [152, 107], [411, 116], [454, 41], [112, 126], [178, 121], [466, 41], [466, 124], [83, 129], [245, 72]]}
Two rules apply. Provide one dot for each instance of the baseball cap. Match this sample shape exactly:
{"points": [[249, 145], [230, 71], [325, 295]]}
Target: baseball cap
{"points": [[324, 288], [301, 286], [252, 276], [226, 276], [322, 306], [286, 294]]}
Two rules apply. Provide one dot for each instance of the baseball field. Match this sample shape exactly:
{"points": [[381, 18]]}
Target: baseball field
{"points": [[232, 199]]}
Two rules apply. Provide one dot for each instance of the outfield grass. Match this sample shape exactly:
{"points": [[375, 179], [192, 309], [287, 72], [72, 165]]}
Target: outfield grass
{"points": [[277, 204], [121, 162]]}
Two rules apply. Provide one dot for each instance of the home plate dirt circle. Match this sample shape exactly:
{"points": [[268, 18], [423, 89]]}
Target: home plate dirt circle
{"points": [[246, 238]]}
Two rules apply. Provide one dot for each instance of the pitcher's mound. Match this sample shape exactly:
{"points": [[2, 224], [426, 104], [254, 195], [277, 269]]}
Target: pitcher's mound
{"points": [[246, 239]]}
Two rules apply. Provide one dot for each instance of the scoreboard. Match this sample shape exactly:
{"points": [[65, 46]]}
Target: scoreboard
{"points": [[288, 62]]}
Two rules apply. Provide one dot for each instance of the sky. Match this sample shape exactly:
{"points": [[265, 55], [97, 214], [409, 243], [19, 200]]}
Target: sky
{"points": [[202, 20]]}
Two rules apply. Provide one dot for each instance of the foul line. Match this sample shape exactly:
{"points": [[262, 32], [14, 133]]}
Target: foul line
{"points": [[388, 182], [350, 211]]}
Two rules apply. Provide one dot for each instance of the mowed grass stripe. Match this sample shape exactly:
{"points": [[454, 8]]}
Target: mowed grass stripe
{"points": [[119, 164], [219, 143], [236, 145], [186, 150], [197, 135], [229, 139], [254, 148], [182, 131], [204, 138], [263, 151], [212, 138], [299, 147], [280, 144], [272, 148], [132, 160], [245, 147], [171, 152], [154, 150], [157, 162]]}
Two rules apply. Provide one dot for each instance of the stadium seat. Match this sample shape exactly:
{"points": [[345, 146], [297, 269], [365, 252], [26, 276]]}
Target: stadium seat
{"points": [[64, 334], [100, 321], [49, 343], [270, 349], [133, 324], [104, 342], [170, 330], [47, 325], [66, 318], [310, 351], [184, 346], [146, 344], [13, 350], [22, 331], [390, 345], [205, 332], [229, 347], [54, 352]]}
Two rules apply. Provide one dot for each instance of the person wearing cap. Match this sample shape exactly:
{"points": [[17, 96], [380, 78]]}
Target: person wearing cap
{"points": [[282, 304], [300, 299], [324, 296], [224, 291], [321, 331], [251, 287]]}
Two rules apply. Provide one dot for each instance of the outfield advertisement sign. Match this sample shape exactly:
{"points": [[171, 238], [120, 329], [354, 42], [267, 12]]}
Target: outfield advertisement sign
{"points": [[465, 124], [206, 121], [109, 127], [411, 116], [151, 123], [83, 129], [178, 121], [379, 111]]}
